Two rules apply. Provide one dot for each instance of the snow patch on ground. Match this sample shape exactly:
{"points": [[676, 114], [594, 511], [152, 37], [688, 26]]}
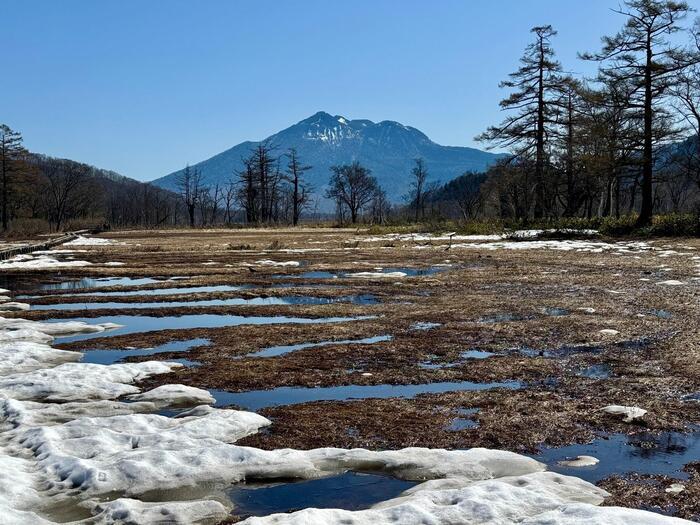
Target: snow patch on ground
{"points": [[268, 262], [41, 262], [628, 414], [91, 241], [580, 461], [377, 275]]}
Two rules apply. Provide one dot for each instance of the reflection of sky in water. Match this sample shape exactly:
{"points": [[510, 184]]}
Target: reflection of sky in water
{"points": [[257, 399], [234, 301], [142, 323], [107, 357], [273, 351], [645, 453], [349, 491]]}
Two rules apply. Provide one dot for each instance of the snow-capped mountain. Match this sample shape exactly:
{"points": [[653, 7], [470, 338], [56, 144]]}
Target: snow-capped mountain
{"points": [[388, 148]]}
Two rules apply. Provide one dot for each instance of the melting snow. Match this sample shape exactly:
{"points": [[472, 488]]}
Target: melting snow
{"points": [[268, 262], [68, 442], [42, 262], [90, 241], [628, 414]]}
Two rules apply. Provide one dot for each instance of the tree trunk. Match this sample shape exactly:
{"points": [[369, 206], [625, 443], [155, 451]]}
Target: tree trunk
{"points": [[539, 154], [647, 209]]}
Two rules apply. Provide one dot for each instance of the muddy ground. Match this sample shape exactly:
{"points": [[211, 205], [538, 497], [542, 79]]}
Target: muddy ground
{"points": [[539, 312]]}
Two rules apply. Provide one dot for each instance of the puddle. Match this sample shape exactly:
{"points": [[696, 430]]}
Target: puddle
{"points": [[349, 491], [645, 453], [562, 351], [427, 365], [186, 362], [476, 354], [503, 318], [157, 291], [464, 356], [661, 314], [635, 344], [308, 275], [274, 351], [101, 282], [556, 311], [422, 326], [464, 422], [602, 371], [258, 399], [17, 282], [108, 357], [134, 324], [235, 301]]}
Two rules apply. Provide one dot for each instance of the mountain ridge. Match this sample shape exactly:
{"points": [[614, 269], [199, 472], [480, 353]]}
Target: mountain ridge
{"points": [[322, 140]]}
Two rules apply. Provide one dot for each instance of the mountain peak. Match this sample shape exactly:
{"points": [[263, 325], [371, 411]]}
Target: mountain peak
{"points": [[388, 148], [324, 117]]}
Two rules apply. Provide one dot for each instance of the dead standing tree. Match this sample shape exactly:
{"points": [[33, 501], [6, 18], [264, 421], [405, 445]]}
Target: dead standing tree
{"points": [[420, 176], [189, 185], [300, 191]]}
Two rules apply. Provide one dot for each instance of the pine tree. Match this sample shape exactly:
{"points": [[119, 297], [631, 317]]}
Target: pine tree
{"points": [[11, 151], [536, 85], [643, 53]]}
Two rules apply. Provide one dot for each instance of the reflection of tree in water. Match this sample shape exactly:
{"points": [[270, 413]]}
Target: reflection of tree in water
{"points": [[648, 445]]}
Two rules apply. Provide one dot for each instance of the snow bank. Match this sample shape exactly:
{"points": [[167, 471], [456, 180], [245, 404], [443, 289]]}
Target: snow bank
{"points": [[80, 381], [175, 395], [25, 356], [90, 241], [541, 498], [12, 306], [126, 510], [43, 329], [41, 262]]}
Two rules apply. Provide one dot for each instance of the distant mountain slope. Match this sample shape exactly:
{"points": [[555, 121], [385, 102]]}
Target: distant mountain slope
{"points": [[387, 148]]}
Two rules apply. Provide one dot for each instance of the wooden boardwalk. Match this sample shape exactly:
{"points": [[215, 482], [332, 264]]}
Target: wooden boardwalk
{"points": [[11, 252]]}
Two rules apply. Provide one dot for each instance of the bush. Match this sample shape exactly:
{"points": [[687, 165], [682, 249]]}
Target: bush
{"points": [[671, 225], [684, 225]]}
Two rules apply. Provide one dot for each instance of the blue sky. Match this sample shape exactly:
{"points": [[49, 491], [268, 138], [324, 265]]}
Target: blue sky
{"points": [[144, 87]]}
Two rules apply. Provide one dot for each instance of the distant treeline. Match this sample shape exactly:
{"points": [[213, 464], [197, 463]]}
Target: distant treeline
{"points": [[40, 193]]}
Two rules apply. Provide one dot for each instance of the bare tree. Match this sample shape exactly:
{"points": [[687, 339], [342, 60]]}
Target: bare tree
{"points": [[379, 206], [66, 185], [420, 175], [189, 184], [229, 196], [353, 187], [300, 191]]}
